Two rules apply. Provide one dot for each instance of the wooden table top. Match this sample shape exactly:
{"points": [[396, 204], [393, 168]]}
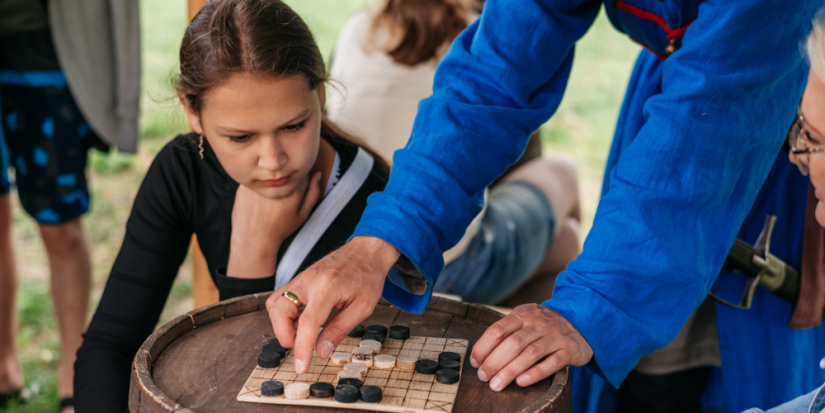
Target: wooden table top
{"points": [[199, 361]]}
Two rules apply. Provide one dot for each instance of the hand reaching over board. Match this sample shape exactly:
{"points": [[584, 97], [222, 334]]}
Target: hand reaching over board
{"points": [[349, 280]]}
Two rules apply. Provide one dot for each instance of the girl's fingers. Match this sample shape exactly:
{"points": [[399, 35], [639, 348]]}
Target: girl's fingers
{"points": [[507, 351], [528, 357], [492, 337], [543, 370], [311, 197]]}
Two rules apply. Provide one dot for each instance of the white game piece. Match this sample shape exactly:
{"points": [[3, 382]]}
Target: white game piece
{"points": [[362, 355], [297, 391], [348, 374], [406, 362], [340, 358], [357, 366], [375, 345], [384, 361]]}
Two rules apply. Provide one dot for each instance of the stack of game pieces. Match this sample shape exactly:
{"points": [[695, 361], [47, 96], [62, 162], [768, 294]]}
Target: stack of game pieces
{"points": [[271, 354]]}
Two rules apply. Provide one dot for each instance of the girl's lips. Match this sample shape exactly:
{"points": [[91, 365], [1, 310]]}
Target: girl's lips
{"points": [[276, 182]]}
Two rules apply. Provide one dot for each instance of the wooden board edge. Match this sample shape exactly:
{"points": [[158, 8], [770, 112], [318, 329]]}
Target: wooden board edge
{"points": [[166, 334], [446, 305], [560, 393], [482, 314], [240, 305]]}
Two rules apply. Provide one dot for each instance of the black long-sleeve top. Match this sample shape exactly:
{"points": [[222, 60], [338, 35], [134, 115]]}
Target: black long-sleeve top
{"points": [[181, 194]]}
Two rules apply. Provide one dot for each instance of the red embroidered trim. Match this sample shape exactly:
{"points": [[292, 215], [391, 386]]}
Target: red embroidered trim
{"points": [[646, 15]]}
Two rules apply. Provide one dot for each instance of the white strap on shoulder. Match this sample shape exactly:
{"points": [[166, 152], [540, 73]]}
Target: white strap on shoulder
{"points": [[322, 218]]}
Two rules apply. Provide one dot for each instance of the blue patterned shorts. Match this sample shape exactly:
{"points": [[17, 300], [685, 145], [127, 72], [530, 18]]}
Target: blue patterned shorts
{"points": [[45, 139]]}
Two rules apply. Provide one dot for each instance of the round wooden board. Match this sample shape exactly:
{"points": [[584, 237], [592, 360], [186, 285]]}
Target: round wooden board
{"points": [[199, 361]]}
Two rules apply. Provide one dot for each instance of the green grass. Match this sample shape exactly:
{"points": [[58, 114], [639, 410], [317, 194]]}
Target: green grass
{"points": [[581, 129]]}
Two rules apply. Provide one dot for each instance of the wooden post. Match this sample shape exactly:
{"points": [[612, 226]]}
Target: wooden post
{"points": [[203, 289]]}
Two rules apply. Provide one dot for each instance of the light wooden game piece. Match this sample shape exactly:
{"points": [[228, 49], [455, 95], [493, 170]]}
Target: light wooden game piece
{"points": [[375, 345], [362, 355], [347, 374], [340, 358], [384, 361], [406, 362], [363, 368], [297, 391]]}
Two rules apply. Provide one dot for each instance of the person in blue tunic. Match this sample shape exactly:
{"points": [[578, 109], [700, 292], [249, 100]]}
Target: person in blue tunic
{"points": [[695, 162]]}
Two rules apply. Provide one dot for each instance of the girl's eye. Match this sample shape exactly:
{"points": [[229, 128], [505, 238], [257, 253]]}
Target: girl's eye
{"points": [[295, 128], [239, 139]]}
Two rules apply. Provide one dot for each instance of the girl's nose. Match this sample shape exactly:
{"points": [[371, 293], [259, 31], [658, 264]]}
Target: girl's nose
{"points": [[271, 156]]}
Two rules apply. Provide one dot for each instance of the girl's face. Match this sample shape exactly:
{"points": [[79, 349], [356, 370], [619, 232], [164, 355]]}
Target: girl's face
{"points": [[813, 109], [265, 131]]}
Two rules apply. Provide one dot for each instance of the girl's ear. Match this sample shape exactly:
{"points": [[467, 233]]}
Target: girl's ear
{"points": [[193, 117]]}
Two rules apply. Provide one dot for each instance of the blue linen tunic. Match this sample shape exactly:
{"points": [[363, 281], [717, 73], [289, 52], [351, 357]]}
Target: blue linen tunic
{"points": [[697, 137]]}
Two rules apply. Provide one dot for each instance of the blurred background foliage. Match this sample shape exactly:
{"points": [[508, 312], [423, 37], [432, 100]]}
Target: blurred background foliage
{"points": [[581, 129]]}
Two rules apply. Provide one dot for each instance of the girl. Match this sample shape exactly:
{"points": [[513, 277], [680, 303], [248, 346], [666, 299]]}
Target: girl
{"points": [[267, 184]]}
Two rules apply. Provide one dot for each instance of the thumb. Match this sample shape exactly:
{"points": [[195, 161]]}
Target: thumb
{"points": [[312, 195]]}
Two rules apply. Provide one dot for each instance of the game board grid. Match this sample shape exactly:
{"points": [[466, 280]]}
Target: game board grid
{"points": [[401, 388]]}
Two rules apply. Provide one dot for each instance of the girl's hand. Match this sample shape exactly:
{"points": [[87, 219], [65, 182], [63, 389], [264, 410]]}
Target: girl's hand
{"points": [[532, 333], [259, 226], [349, 280]]}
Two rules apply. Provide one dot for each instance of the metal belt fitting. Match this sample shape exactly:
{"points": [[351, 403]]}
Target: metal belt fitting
{"points": [[760, 268]]}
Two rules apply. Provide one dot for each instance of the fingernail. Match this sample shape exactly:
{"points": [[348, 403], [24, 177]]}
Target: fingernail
{"points": [[523, 380], [299, 366], [495, 384], [326, 349], [482, 375], [473, 362]]}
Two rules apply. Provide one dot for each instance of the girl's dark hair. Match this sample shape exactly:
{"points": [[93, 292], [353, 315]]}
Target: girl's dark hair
{"points": [[419, 28], [265, 37]]}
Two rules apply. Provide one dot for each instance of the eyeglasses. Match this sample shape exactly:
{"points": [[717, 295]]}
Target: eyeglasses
{"points": [[801, 142]]}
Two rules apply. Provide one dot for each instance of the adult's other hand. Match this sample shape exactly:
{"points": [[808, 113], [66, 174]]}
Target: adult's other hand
{"points": [[512, 347], [349, 279]]}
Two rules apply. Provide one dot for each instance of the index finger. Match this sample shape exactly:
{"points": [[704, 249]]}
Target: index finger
{"points": [[282, 314], [492, 337], [309, 326]]}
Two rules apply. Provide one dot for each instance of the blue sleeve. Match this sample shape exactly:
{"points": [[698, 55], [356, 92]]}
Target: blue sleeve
{"points": [[681, 190], [502, 78]]}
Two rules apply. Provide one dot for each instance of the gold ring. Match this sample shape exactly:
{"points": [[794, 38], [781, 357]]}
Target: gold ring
{"points": [[294, 298]]}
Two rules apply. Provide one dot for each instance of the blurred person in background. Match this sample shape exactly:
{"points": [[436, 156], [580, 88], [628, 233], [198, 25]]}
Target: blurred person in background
{"points": [[384, 63], [69, 81]]}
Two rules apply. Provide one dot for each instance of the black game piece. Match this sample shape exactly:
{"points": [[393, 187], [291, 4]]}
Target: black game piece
{"points": [[274, 348], [352, 382], [449, 364], [399, 332], [272, 388], [449, 355], [371, 394], [269, 359], [358, 331], [375, 336], [377, 329], [447, 376], [321, 390], [425, 366], [346, 393], [275, 342]]}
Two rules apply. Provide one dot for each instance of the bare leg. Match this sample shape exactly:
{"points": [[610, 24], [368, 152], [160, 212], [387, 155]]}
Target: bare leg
{"points": [[70, 264], [556, 177], [11, 375]]}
